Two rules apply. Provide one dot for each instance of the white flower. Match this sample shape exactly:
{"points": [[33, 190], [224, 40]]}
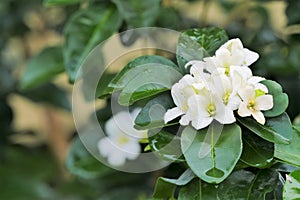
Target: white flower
{"points": [[230, 54], [122, 141], [204, 109], [254, 101]]}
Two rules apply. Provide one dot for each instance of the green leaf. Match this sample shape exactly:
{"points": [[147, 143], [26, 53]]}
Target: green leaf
{"points": [[213, 152], [291, 188], [123, 78], [195, 44], [42, 67], [265, 131], [280, 99], [257, 152], [82, 164], [291, 11], [245, 185], [289, 153], [86, 29], [152, 114], [198, 190], [142, 80], [163, 189], [184, 178], [165, 145], [138, 13], [60, 2]]}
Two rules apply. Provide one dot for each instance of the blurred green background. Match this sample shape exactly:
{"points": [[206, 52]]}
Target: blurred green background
{"points": [[40, 156]]}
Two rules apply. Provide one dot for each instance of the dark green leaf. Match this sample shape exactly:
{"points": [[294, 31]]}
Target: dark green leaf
{"points": [[289, 153], [265, 131], [152, 114], [257, 152], [42, 67], [163, 189], [60, 2], [184, 178], [84, 31], [213, 152], [198, 190], [103, 83], [195, 44], [138, 13], [81, 163], [280, 99], [165, 145], [291, 188], [58, 97]]}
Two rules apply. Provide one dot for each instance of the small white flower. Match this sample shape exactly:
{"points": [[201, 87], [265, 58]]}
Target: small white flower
{"points": [[254, 101], [122, 141]]}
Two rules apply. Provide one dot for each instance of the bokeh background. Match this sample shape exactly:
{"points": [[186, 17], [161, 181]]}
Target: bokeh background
{"points": [[40, 155]]}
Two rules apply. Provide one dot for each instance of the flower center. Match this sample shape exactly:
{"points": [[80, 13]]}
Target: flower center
{"points": [[227, 70], [123, 139], [251, 105], [211, 109], [226, 97]]}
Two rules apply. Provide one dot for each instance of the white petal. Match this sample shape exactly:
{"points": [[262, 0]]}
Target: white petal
{"points": [[261, 86], [255, 79], [243, 111], [116, 159], [201, 122], [264, 102], [234, 102], [259, 117], [247, 93], [104, 146], [185, 120], [226, 118], [111, 128], [251, 56], [172, 114]]}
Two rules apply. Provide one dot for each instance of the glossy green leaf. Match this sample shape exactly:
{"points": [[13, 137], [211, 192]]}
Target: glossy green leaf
{"points": [[163, 189], [165, 145], [86, 29], [138, 13], [265, 131], [291, 188], [195, 44], [60, 2], [289, 153], [280, 99], [213, 152], [81, 163], [147, 80], [245, 185], [184, 178], [152, 114], [257, 152], [42, 67], [123, 78], [198, 190]]}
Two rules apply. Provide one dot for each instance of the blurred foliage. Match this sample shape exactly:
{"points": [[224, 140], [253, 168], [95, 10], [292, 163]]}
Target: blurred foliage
{"points": [[33, 173]]}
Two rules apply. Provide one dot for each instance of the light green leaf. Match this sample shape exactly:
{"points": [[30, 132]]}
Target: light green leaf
{"points": [[138, 13], [165, 145], [257, 152], [152, 114], [86, 29], [42, 68], [184, 178], [198, 190], [60, 2], [265, 131], [195, 44], [291, 188], [280, 99], [213, 152], [289, 153]]}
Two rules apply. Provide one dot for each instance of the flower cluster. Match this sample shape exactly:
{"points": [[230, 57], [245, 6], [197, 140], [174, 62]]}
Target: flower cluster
{"points": [[122, 141], [218, 86]]}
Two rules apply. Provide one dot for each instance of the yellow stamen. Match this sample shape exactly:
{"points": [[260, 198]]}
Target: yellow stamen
{"points": [[259, 92], [251, 105], [123, 139], [211, 109]]}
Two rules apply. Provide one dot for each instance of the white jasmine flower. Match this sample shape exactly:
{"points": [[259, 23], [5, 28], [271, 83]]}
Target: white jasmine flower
{"points": [[254, 101], [204, 109], [122, 141]]}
